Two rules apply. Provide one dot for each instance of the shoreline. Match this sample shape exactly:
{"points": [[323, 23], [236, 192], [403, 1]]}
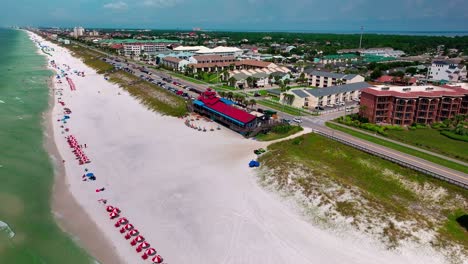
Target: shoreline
{"points": [[65, 208], [152, 168]]}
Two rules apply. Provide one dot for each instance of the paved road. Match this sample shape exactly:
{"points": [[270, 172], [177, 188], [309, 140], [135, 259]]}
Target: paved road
{"points": [[403, 144], [317, 123]]}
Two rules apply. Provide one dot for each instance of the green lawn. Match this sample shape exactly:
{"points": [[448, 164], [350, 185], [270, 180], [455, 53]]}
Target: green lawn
{"points": [[272, 135], [225, 87], [432, 140], [385, 143], [187, 78], [283, 108], [153, 96], [322, 161]]}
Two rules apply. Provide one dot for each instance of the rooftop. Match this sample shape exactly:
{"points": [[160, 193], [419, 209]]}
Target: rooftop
{"points": [[416, 91], [131, 41], [318, 92], [208, 99], [330, 74]]}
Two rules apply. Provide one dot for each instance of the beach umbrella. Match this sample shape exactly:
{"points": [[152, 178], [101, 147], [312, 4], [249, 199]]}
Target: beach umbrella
{"points": [[113, 215], [137, 239], [150, 251], [139, 248], [157, 259], [145, 245], [133, 232], [129, 226]]}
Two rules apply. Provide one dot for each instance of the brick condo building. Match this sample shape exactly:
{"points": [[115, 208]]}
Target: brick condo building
{"points": [[399, 105]]}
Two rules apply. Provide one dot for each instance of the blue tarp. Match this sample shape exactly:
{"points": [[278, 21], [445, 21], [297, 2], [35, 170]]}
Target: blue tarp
{"points": [[254, 163]]}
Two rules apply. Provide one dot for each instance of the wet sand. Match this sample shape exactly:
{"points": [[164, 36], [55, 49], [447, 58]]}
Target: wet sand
{"points": [[70, 216]]}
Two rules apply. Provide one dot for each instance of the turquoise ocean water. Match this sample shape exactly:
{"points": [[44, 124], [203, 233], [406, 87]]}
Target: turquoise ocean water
{"points": [[28, 232]]}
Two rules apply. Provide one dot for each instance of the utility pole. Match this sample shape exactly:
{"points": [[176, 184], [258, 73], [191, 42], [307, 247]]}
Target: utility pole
{"points": [[360, 40]]}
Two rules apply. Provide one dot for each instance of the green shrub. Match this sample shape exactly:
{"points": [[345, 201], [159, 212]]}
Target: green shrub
{"points": [[452, 135]]}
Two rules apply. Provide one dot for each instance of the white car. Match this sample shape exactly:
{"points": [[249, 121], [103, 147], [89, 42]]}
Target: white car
{"points": [[297, 120]]}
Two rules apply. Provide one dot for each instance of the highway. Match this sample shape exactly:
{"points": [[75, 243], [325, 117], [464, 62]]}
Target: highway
{"points": [[317, 124]]}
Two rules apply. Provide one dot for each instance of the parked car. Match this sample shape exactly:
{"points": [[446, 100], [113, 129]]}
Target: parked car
{"points": [[297, 120]]}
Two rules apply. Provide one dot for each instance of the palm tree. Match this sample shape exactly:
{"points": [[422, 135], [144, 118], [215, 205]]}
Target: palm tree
{"points": [[250, 81], [225, 74], [288, 98], [232, 81], [252, 102]]}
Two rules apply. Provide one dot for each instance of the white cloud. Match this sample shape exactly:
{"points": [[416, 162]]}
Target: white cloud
{"points": [[161, 3], [116, 5]]}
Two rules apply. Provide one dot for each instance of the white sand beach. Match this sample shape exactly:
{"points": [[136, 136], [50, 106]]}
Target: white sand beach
{"points": [[189, 193]]}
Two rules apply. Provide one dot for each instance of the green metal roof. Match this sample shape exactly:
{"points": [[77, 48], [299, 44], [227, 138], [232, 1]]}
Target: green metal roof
{"points": [[340, 56], [375, 58], [124, 41]]}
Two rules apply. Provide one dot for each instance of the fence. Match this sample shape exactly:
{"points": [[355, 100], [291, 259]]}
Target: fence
{"points": [[397, 161]]}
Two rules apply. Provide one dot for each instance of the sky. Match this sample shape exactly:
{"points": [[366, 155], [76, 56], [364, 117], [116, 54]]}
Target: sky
{"points": [[271, 15]]}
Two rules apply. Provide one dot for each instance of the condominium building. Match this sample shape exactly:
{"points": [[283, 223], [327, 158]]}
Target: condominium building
{"points": [[311, 98], [327, 79], [447, 70], [145, 47], [399, 105], [78, 32]]}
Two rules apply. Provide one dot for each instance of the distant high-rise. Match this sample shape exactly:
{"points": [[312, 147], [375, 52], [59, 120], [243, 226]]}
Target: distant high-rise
{"points": [[78, 31]]}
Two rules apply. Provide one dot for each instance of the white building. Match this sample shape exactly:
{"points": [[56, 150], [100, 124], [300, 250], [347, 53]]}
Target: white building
{"points": [[220, 50], [327, 79], [447, 70], [384, 52], [174, 63], [149, 49], [311, 98], [78, 32]]}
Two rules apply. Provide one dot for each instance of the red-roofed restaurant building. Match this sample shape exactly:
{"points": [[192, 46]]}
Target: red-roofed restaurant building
{"points": [[400, 105], [222, 111]]}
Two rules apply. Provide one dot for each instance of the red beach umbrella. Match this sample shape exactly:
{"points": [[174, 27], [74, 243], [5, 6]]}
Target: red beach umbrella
{"points": [[137, 239], [123, 220], [109, 208], [113, 215], [129, 226], [157, 259], [139, 248], [144, 245], [150, 251]]}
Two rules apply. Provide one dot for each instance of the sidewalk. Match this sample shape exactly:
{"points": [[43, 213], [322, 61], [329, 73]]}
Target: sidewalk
{"points": [[402, 144]]}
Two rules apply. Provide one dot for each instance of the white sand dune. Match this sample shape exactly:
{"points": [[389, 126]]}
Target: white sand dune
{"points": [[191, 194]]}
